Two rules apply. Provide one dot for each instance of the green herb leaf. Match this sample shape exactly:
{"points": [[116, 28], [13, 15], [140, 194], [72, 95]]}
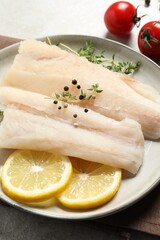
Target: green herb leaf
{"points": [[89, 52], [1, 115], [123, 67], [65, 97], [95, 88]]}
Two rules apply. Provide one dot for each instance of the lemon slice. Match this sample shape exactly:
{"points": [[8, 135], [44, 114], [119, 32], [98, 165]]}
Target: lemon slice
{"points": [[32, 176], [92, 185]]}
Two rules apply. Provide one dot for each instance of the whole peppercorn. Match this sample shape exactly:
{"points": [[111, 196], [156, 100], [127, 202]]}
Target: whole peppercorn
{"points": [[74, 81], [75, 125], [78, 87], [75, 115], [66, 88], [55, 101], [59, 108], [65, 105], [81, 97], [85, 110]]}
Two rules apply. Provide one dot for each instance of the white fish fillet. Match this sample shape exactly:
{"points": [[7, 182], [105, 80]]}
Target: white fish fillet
{"points": [[141, 88], [47, 69], [31, 121]]}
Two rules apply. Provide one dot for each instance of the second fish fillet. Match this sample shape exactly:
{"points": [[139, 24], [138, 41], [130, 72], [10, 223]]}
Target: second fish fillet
{"points": [[31, 121]]}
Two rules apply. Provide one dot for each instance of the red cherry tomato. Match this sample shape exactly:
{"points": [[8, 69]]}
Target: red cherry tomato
{"points": [[149, 39], [120, 18]]}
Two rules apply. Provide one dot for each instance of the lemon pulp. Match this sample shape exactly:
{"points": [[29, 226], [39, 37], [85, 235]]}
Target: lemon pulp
{"points": [[34, 176], [92, 185]]}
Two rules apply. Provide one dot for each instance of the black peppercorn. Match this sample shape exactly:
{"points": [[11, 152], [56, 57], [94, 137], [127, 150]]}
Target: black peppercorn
{"points": [[81, 97], [85, 110], [66, 88], [74, 81], [75, 115]]}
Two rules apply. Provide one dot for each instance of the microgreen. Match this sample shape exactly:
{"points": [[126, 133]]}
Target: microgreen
{"points": [[92, 55], [65, 97], [95, 88]]}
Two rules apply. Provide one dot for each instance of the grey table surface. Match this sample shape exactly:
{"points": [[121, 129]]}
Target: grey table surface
{"points": [[38, 18], [19, 225]]}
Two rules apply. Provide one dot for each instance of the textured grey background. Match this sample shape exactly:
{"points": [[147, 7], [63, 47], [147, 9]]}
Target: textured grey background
{"points": [[18, 225]]}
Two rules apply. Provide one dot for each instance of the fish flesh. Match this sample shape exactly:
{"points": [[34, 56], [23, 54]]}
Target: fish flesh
{"points": [[141, 88], [46, 69], [32, 121]]}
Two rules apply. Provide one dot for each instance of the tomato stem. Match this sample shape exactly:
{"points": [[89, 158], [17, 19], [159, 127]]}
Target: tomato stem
{"points": [[147, 37], [136, 19]]}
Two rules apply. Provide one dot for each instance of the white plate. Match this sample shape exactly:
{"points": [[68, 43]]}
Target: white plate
{"points": [[132, 189]]}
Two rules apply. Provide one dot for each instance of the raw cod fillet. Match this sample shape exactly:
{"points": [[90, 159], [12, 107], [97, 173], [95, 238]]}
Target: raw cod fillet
{"points": [[47, 69], [32, 121], [141, 88]]}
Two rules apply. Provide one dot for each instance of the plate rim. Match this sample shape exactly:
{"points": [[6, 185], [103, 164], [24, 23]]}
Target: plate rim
{"points": [[85, 36], [86, 215]]}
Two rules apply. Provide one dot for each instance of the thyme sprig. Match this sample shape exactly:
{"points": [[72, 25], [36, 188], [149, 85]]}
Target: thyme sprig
{"points": [[48, 41], [68, 48], [84, 96], [88, 51], [91, 54], [95, 88], [67, 96], [123, 67]]}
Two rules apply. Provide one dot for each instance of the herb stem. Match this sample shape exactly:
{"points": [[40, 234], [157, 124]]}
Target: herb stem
{"points": [[48, 40], [92, 55], [68, 48]]}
